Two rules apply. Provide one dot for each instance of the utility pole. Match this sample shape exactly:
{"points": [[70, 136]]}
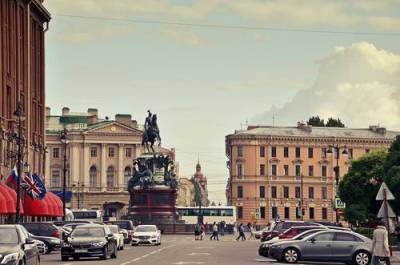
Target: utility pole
{"points": [[64, 141], [19, 114], [301, 197]]}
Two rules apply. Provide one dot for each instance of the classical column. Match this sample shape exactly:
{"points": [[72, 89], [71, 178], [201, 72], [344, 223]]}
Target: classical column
{"points": [[120, 170], [103, 168], [85, 168], [74, 163]]}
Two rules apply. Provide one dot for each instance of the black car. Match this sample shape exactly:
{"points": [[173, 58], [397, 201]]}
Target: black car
{"points": [[128, 226], [52, 243], [89, 241], [43, 229], [16, 247]]}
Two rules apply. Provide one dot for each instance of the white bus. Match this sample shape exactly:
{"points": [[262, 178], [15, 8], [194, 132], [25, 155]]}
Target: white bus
{"points": [[210, 214], [88, 215]]}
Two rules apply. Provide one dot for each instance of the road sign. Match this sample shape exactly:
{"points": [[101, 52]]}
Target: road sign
{"points": [[380, 196], [381, 213], [339, 204], [258, 213]]}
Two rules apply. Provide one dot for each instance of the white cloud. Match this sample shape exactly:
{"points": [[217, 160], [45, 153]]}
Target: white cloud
{"points": [[359, 84]]}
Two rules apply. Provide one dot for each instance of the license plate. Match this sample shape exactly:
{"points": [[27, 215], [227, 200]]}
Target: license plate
{"points": [[81, 250]]}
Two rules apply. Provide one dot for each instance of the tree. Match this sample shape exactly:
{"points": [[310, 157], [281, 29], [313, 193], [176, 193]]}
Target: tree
{"points": [[316, 121], [361, 184], [392, 176], [334, 123], [355, 213]]}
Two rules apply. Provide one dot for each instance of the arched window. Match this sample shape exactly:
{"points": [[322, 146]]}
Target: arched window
{"points": [[127, 175], [93, 176], [55, 178], [110, 177]]}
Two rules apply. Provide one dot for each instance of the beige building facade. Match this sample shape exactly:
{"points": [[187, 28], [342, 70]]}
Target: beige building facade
{"points": [[100, 154], [290, 172]]}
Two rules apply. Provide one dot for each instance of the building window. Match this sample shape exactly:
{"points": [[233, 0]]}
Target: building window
{"points": [[324, 213], [240, 150], [111, 152], [110, 177], [56, 152], [310, 152], [93, 176], [128, 152], [323, 171], [286, 170], [273, 192], [127, 175], [298, 171], [239, 212], [55, 178], [273, 151], [285, 151], [323, 152], [240, 192], [297, 192], [262, 170], [274, 212], [285, 192], [273, 170], [311, 171], [287, 213], [311, 213], [262, 191], [239, 170], [262, 151], [350, 153], [297, 152], [298, 213], [262, 212], [93, 151], [311, 192], [324, 194]]}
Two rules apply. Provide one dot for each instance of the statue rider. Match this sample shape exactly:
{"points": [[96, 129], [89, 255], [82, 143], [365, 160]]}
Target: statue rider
{"points": [[148, 121]]}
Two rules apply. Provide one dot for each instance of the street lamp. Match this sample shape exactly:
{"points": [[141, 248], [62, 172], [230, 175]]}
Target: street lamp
{"points": [[78, 186], [64, 141]]}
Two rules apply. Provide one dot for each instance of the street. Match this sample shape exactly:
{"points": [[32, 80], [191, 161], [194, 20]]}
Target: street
{"points": [[181, 250]]}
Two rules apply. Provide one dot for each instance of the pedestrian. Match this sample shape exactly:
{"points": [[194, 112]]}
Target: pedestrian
{"points": [[222, 228], [214, 235], [203, 231], [380, 245], [241, 233], [252, 232], [197, 229], [235, 230]]}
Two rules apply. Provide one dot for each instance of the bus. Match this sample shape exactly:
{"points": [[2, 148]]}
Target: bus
{"points": [[88, 215], [210, 214]]}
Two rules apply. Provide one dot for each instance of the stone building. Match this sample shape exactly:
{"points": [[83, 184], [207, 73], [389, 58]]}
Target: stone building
{"points": [[283, 171], [185, 196], [100, 153], [23, 25]]}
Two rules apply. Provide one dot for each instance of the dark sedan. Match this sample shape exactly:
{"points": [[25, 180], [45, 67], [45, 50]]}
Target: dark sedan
{"points": [[16, 247], [89, 241], [328, 245], [52, 243]]}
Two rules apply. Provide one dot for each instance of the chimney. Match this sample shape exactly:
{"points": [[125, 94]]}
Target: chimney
{"points": [[378, 129], [304, 126], [92, 112], [124, 119], [65, 111], [48, 111]]}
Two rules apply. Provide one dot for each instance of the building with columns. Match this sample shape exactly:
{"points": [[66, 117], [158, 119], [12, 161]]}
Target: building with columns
{"points": [[283, 171], [100, 153]]}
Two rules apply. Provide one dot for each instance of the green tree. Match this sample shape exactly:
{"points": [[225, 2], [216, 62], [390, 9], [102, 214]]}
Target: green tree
{"points": [[361, 184], [392, 176], [316, 121], [334, 123], [355, 213]]}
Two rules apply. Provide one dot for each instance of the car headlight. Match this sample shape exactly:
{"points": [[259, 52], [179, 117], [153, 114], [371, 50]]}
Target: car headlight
{"points": [[10, 257], [55, 241], [98, 244]]}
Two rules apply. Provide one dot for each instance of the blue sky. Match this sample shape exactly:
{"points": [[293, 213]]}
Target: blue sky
{"points": [[204, 82]]}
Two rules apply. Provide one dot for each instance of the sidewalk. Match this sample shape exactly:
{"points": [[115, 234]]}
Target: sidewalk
{"points": [[395, 259]]}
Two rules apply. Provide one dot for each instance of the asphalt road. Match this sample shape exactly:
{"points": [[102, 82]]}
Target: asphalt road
{"points": [[179, 250]]}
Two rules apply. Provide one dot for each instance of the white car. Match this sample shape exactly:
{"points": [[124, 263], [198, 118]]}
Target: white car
{"points": [[118, 236], [146, 234]]}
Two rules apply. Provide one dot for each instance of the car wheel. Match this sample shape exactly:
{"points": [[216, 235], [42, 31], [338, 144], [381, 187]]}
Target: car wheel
{"points": [[361, 258], [114, 254], [64, 258], [290, 255], [105, 253]]}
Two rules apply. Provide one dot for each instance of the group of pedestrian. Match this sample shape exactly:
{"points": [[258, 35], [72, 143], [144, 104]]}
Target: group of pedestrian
{"points": [[239, 230], [216, 228]]}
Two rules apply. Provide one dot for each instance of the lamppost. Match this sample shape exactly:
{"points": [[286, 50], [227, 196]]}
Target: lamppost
{"points": [[79, 185], [336, 169], [64, 141]]}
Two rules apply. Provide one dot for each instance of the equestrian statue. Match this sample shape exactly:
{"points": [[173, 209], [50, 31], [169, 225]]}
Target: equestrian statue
{"points": [[151, 132]]}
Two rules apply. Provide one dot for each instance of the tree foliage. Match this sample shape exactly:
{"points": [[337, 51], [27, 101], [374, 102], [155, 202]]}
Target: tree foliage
{"points": [[316, 121], [334, 123], [355, 212]]}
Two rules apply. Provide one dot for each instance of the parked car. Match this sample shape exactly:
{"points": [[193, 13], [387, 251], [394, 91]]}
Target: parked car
{"points": [[41, 246], [118, 236], [52, 243], [128, 226], [89, 240], [43, 229], [329, 245], [282, 226], [146, 234], [124, 232], [16, 247], [264, 247]]}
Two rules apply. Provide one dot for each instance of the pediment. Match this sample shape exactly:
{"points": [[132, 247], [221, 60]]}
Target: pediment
{"points": [[114, 128]]}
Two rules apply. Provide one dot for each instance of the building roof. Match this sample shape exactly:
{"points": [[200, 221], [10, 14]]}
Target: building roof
{"points": [[374, 132]]}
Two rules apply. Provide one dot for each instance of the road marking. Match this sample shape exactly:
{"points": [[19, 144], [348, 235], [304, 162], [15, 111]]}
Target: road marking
{"points": [[188, 262], [198, 254], [203, 247], [146, 255]]}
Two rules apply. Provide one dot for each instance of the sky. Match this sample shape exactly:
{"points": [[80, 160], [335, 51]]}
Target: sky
{"points": [[209, 67]]}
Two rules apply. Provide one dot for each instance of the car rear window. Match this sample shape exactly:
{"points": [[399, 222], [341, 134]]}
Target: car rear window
{"points": [[124, 225]]}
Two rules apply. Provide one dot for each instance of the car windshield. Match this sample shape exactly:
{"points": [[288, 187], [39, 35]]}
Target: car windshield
{"points": [[146, 229], [88, 232], [8, 235], [114, 229]]}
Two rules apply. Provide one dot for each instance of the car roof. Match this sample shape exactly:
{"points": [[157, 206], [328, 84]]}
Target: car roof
{"points": [[8, 226], [146, 226], [90, 225]]}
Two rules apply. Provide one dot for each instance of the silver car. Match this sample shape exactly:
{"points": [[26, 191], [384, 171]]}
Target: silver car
{"points": [[341, 246]]}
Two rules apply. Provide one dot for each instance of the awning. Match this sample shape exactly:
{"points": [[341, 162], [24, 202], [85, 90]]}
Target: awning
{"points": [[3, 203], [11, 199], [57, 204], [36, 207]]}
